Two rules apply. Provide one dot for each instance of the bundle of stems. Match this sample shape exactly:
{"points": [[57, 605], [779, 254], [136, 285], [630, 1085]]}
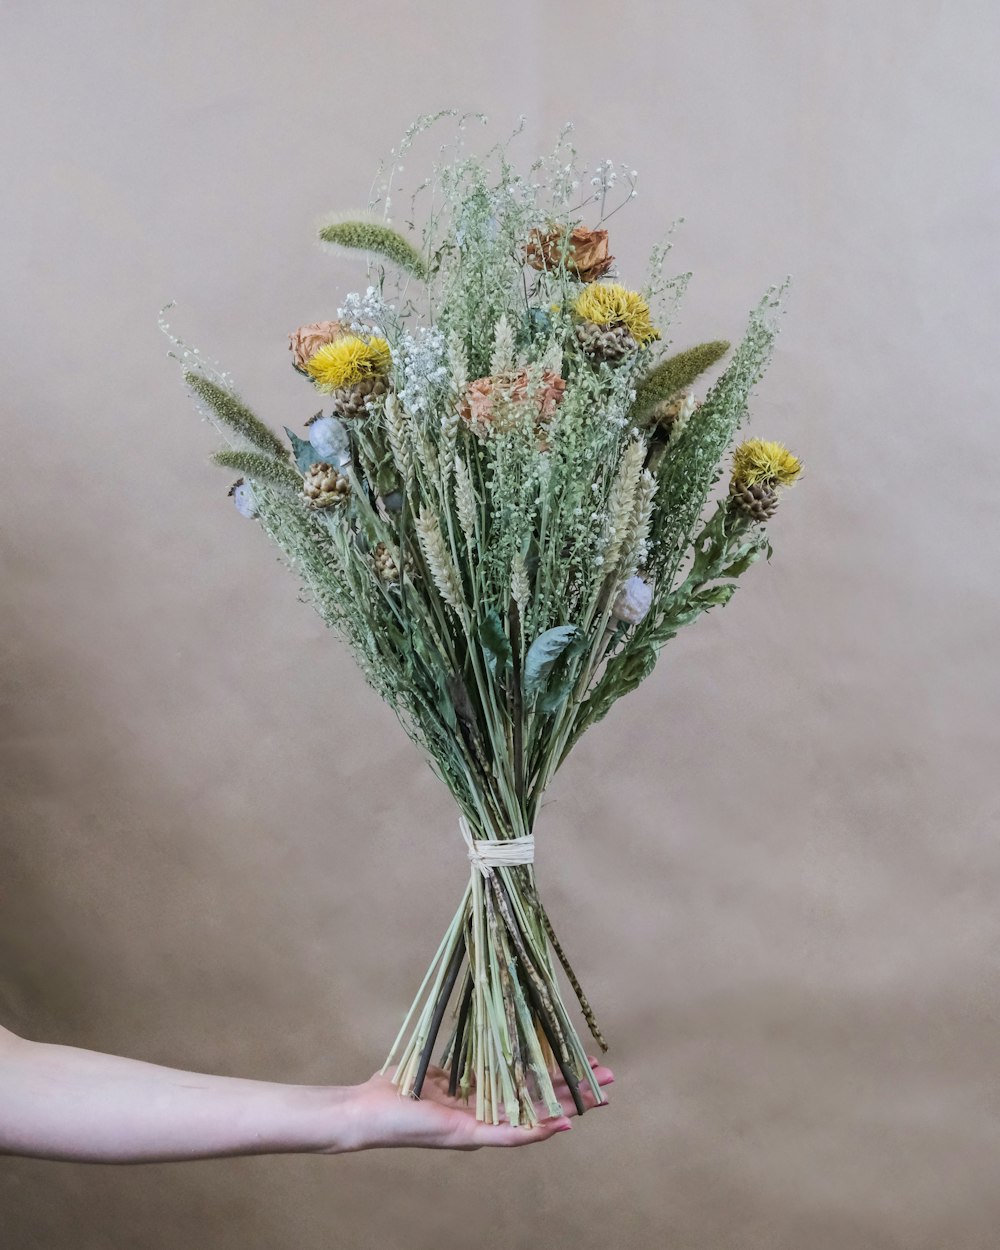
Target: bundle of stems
{"points": [[507, 511]]}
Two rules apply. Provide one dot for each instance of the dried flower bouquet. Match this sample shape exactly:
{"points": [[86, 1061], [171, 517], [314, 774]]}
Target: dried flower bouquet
{"points": [[506, 508]]}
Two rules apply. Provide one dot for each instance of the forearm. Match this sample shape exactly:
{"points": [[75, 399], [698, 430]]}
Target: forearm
{"points": [[58, 1102]]}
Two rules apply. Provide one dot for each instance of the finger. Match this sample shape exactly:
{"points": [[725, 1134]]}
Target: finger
{"points": [[590, 1099], [508, 1135], [604, 1075]]}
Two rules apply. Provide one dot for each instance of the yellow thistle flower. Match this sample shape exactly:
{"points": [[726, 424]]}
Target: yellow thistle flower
{"points": [[346, 361], [609, 304], [759, 463]]}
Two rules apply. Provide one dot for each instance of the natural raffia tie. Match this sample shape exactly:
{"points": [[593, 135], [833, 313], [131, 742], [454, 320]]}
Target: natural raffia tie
{"points": [[487, 853]]}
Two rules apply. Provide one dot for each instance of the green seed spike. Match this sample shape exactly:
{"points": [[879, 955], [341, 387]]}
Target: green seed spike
{"points": [[233, 412], [676, 373], [377, 240], [263, 468]]}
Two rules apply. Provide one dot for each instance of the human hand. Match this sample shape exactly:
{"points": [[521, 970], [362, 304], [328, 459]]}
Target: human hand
{"points": [[380, 1117]]}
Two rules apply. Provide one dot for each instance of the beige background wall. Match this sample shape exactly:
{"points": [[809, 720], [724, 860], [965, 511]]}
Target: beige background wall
{"points": [[777, 865]]}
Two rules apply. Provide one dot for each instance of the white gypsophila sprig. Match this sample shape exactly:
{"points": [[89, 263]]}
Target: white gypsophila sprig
{"points": [[420, 361], [363, 313], [438, 560]]}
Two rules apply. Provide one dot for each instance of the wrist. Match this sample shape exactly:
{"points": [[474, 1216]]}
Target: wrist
{"points": [[326, 1119]]}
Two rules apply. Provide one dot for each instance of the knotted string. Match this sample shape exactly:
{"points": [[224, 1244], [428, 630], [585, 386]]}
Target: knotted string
{"points": [[487, 853]]}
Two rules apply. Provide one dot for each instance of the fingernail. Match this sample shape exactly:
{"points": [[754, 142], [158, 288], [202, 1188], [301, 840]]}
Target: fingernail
{"points": [[564, 1128]]}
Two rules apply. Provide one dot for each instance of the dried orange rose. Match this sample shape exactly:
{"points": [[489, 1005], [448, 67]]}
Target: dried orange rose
{"points": [[586, 251], [308, 339], [491, 403]]}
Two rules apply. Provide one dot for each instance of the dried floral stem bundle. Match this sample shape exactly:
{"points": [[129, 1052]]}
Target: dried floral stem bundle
{"points": [[506, 507]]}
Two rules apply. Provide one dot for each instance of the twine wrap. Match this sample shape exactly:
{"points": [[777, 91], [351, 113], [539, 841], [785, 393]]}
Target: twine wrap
{"points": [[487, 853]]}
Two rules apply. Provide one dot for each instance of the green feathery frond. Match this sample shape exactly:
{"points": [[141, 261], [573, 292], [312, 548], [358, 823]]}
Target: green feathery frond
{"points": [[376, 239], [233, 412], [676, 373], [263, 468], [687, 476]]}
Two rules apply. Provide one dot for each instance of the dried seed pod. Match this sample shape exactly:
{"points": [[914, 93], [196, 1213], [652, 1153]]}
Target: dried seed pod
{"points": [[323, 486], [386, 562], [352, 401], [608, 343], [756, 500]]}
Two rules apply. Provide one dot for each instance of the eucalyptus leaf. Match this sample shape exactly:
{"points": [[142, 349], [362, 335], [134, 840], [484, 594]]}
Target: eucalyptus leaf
{"points": [[462, 701], [557, 693], [496, 646], [447, 709], [304, 452], [542, 656]]}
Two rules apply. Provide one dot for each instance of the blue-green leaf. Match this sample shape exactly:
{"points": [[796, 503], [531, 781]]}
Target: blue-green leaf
{"points": [[304, 452], [542, 656], [496, 646]]}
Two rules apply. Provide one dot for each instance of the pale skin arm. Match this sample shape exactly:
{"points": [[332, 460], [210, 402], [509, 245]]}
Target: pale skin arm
{"points": [[60, 1102]]}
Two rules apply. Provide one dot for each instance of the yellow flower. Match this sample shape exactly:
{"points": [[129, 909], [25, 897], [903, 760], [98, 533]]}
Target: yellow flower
{"points": [[348, 360], [759, 463], [609, 304]]}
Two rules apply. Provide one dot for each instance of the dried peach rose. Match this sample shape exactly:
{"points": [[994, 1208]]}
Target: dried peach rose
{"points": [[490, 403], [586, 251], [308, 339]]}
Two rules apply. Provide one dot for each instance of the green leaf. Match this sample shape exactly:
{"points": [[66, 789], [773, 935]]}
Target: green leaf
{"points": [[496, 645], [564, 675], [446, 707], [542, 656], [686, 608], [623, 675], [715, 596], [462, 700], [304, 452], [557, 693], [748, 556]]}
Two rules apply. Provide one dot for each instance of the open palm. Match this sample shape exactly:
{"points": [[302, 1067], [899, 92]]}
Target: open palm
{"points": [[437, 1119]]}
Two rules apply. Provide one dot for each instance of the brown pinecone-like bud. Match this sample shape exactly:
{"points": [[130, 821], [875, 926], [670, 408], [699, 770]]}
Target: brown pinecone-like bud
{"points": [[352, 401], [386, 562], [323, 486], [610, 343], [757, 501]]}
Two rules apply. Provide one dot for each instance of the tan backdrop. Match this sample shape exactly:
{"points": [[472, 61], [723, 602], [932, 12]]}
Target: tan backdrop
{"points": [[777, 865]]}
